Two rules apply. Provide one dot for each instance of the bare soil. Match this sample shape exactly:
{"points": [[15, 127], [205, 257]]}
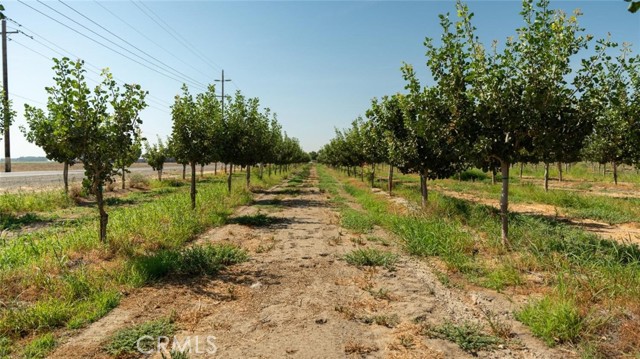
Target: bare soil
{"points": [[610, 189], [298, 298], [621, 232]]}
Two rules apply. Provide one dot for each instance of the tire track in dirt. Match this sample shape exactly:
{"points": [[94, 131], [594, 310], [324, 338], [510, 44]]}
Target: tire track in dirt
{"points": [[297, 298]]}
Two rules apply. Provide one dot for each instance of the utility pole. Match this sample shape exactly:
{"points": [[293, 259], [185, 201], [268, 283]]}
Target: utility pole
{"points": [[223, 81], [5, 97]]}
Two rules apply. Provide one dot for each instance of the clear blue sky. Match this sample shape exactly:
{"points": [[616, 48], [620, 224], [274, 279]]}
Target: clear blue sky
{"points": [[317, 64]]}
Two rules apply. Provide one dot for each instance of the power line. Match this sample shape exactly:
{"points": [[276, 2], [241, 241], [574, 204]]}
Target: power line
{"points": [[65, 53], [133, 46], [118, 45], [173, 33], [150, 39], [49, 58], [154, 106], [28, 99], [99, 43]]}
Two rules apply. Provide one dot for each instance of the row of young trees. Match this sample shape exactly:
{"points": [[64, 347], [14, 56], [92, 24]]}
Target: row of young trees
{"points": [[246, 136], [100, 128], [490, 108]]}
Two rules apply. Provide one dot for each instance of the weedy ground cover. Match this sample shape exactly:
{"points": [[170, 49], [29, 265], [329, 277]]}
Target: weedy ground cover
{"points": [[590, 288], [60, 277]]}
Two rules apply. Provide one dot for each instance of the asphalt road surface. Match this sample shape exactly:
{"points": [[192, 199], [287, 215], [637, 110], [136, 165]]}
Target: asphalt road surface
{"points": [[38, 179]]}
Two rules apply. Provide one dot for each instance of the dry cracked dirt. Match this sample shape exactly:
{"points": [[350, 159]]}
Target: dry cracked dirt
{"points": [[298, 298]]}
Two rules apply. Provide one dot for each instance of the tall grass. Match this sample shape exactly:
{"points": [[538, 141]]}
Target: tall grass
{"points": [[34, 201]]}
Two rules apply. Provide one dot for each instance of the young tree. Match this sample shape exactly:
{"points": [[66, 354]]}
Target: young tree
{"points": [[437, 144], [156, 155], [209, 109], [192, 133], [230, 133], [440, 118], [127, 110], [387, 115], [53, 131], [504, 129], [610, 90], [87, 127], [373, 146], [546, 44], [98, 131], [128, 157]]}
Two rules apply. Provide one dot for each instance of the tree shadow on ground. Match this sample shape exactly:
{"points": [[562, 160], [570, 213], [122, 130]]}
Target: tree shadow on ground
{"points": [[258, 220], [13, 222]]}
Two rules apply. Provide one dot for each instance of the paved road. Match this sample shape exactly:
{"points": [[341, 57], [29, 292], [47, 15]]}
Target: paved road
{"points": [[38, 179]]}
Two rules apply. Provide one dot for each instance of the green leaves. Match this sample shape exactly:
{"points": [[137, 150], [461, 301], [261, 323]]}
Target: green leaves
{"points": [[156, 155], [634, 6], [79, 126]]}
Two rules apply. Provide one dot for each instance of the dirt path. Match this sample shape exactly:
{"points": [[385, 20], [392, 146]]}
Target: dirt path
{"points": [[298, 298], [622, 232]]}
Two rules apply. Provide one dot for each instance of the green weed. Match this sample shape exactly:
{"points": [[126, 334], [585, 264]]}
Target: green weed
{"points": [[125, 341], [554, 320], [371, 257], [5, 347], [40, 347], [501, 277], [200, 260], [468, 336], [356, 221]]}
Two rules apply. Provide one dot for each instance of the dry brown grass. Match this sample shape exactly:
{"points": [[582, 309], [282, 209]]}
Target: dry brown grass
{"points": [[354, 347]]}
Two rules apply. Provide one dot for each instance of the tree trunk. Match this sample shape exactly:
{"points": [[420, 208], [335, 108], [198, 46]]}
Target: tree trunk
{"points": [[201, 171], [229, 178], [184, 171], [521, 168], [604, 169], [559, 171], [546, 177], [493, 175], [123, 177], [390, 179], [373, 175], [193, 185], [104, 217], [348, 171], [615, 173], [362, 173], [423, 188], [269, 165], [261, 167], [160, 175], [215, 169], [248, 176], [504, 202], [65, 177]]}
